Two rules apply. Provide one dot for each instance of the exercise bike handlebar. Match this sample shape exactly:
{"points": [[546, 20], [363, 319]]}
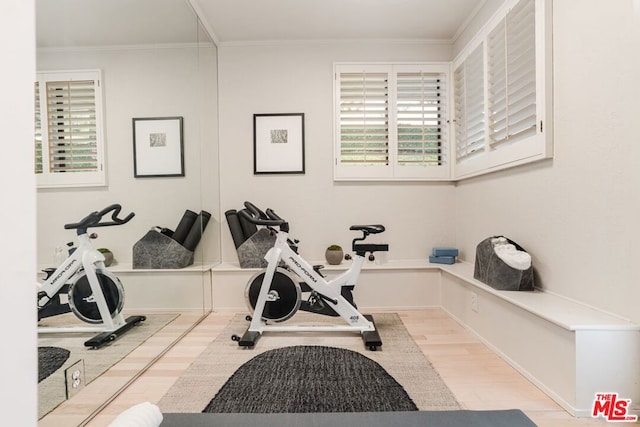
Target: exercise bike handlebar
{"points": [[272, 215], [258, 217], [94, 218]]}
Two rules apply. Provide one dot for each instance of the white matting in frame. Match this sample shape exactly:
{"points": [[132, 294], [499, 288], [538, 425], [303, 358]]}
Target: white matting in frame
{"points": [[158, 148], [278, 143]]}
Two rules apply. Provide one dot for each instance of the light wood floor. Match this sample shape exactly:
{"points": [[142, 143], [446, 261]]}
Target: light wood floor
{"points": [[478, 378]]}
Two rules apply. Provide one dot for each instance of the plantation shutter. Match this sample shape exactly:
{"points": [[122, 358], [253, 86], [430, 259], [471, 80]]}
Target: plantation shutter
{"points": [[364, 118], [68, 135], [391, 121], [460, 111], [469, 102], [38, 130], [512, 76], [420, 117], [72, 127]]}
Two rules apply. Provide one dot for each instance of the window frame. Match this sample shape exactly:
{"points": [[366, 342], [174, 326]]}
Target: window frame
{"points": [[392, 171], [530, 149], [47, 178]]}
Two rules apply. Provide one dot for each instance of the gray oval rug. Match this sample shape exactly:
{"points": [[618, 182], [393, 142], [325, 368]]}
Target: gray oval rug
{"points": [[50, 359], [310, 379]]}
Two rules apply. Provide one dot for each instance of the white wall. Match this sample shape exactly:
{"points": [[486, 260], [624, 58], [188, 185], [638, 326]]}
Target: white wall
{"points": [[578, 214], [18, 359], [297, 78], [142, 82], [477, 23]]}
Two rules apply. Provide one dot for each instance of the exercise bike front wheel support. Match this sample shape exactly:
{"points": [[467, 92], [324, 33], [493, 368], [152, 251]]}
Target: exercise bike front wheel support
{"points": [[82, 302], [284, 296]]}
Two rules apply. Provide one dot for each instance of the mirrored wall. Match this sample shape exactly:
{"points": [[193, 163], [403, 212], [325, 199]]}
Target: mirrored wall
{"points": [[157, 67]]}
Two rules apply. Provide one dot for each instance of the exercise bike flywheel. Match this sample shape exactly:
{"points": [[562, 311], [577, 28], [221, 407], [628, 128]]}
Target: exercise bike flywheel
{"points": [[82, 302], [284, 296]]}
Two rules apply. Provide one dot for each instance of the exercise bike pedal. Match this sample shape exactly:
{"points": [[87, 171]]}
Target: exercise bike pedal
{"points": [[104, 338]]}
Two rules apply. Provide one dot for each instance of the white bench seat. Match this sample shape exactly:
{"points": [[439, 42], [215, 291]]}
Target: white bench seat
{"points": [[561, 311], [568, 349]]}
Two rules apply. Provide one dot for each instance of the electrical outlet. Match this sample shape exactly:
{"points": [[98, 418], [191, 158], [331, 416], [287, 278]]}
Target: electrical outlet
{"points": [[74, 378], [474, 302]]}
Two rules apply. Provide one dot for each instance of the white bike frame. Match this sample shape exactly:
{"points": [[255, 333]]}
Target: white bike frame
{"points": [[331, 289], [87, 258]]}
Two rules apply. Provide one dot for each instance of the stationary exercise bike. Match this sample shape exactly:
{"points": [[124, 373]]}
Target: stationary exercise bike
{"points": [[93, 293], [275, 293]]}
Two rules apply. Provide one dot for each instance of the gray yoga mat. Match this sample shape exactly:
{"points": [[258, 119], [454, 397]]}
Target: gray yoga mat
{"points": [[504, 418]]}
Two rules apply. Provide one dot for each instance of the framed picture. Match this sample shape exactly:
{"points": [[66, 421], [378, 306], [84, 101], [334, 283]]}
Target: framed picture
{"points": [[158, 148], [278, 143]]}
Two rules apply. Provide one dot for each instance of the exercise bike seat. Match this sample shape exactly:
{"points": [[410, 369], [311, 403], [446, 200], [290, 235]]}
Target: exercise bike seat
{"points": [[368, 229]]}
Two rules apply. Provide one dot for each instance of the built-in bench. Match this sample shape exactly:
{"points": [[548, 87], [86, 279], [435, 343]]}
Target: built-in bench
{"points": [[569, 350], [392, 285], [183, 289]]}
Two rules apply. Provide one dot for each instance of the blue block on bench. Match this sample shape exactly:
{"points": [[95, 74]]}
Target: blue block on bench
{"points": [[445, 252]]}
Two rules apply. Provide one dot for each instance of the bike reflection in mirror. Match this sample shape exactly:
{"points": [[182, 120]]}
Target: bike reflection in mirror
{"points": [[93, 294]]}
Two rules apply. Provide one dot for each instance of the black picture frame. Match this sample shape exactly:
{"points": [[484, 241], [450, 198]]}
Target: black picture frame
{"points": [[158, 147], [278, 143]]}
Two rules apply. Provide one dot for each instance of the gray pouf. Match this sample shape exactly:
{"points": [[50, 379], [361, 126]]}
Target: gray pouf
{"points": [[491, 270]]}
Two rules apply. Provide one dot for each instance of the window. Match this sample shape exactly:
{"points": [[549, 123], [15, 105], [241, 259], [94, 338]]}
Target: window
{"points": [[391, 121], [502, 111], [68, 129]]}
